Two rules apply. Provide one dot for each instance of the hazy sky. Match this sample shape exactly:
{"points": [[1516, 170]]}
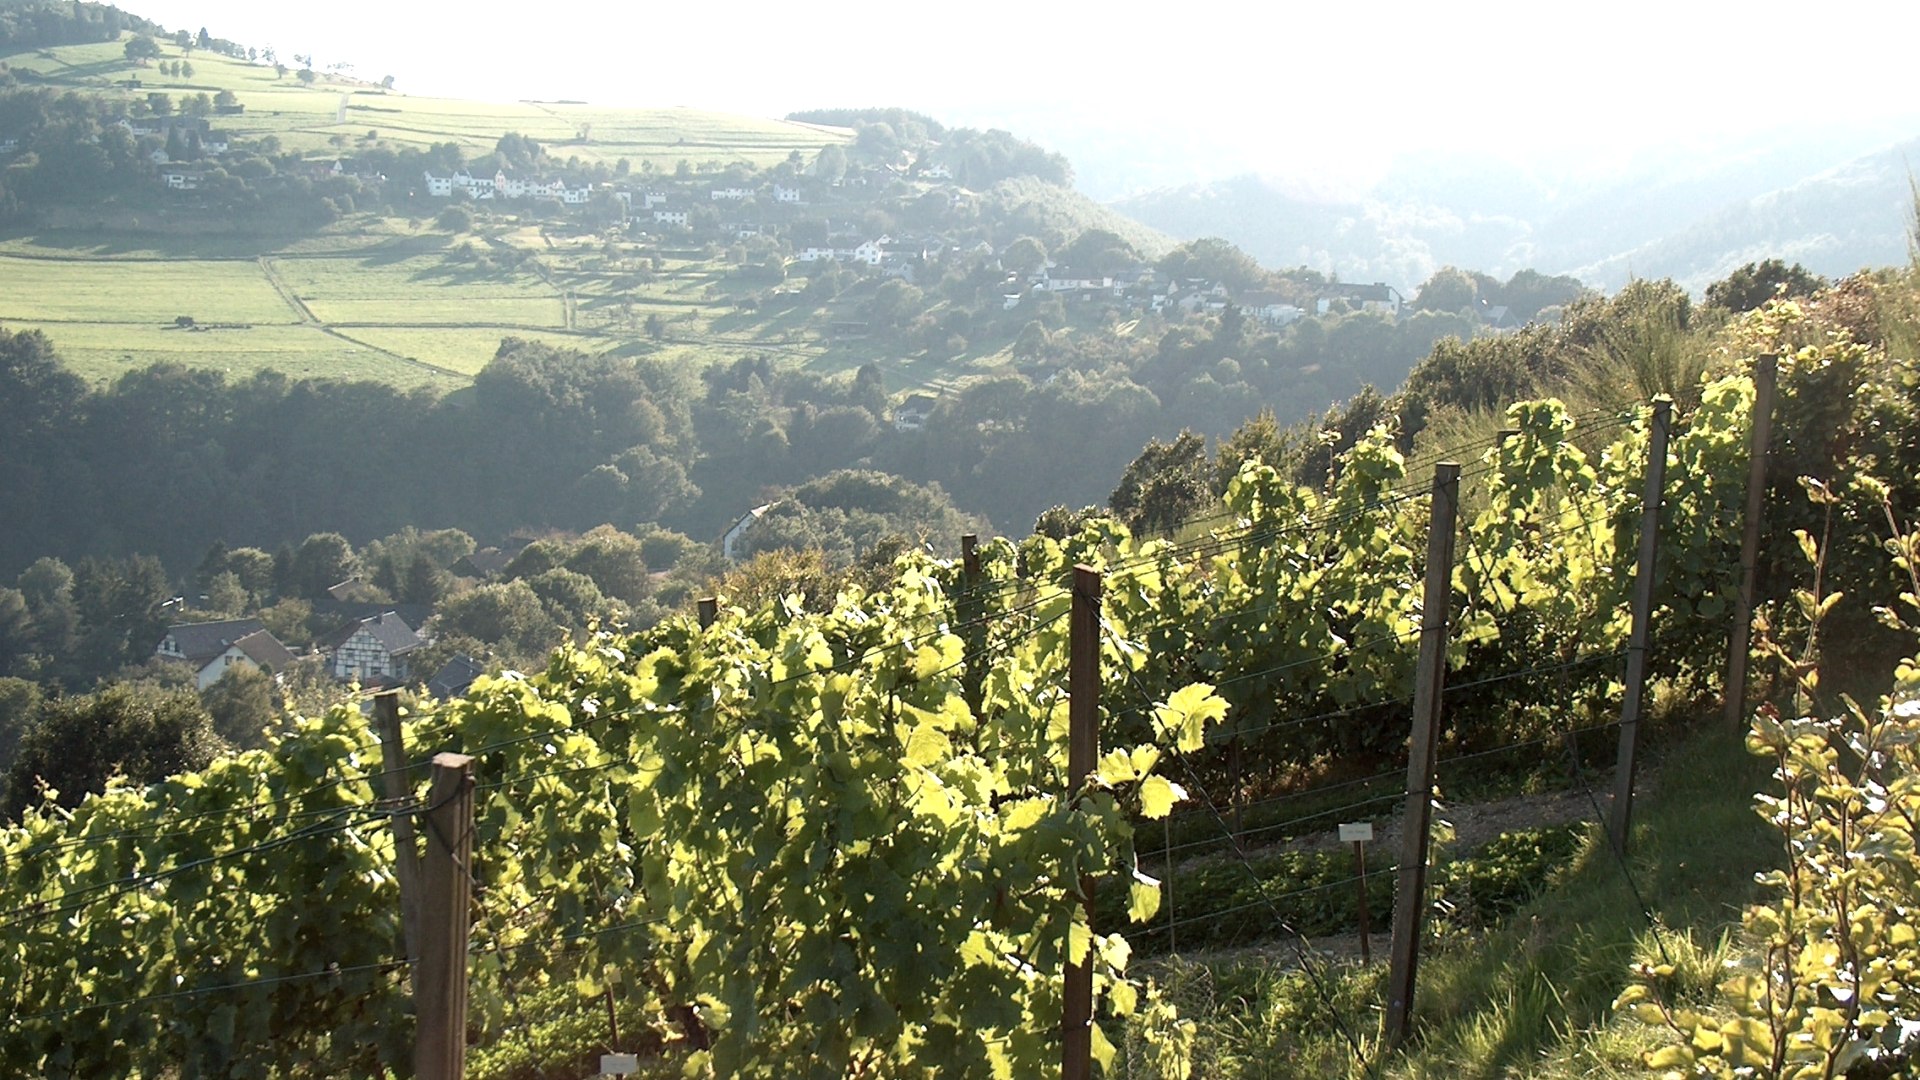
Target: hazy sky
{"points": [[1330, 90]]}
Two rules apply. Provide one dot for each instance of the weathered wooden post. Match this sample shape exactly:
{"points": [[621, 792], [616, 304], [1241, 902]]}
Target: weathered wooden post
{"points": [[1633, 703], [973, 634], [1410, 901], [440, 1040], [1083, 750], [406, 852], [709, 611], [1765, 374]]}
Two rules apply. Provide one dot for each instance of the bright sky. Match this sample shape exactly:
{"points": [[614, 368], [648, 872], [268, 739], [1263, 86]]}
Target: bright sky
{"points": [[1329, 89]]}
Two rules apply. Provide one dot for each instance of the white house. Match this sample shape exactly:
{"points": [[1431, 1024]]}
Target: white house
{"points": [[1379, 296], [212, 649], [182, 179], [259, 650], [651, 199], [785, 194], [440, 187], [1270, 308], [1066, 280], [199, 641], [846, 249], [731, 194], [371, 650], [670, 217], [739, 529]]}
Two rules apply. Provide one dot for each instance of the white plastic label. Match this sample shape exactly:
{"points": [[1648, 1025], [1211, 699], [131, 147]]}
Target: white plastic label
{"points": [[1354, 831], [619, 1064]]}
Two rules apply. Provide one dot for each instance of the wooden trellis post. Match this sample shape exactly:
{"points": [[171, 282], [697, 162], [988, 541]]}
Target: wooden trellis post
{"points": [[1765, 375], [1083, 750], [1632, 704], [1410, 902]]}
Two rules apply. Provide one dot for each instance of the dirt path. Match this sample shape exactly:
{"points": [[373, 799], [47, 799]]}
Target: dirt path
{"points": [[298, 305]]}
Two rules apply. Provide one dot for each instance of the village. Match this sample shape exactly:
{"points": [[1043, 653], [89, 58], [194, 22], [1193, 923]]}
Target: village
{"points": [[810, 213]]}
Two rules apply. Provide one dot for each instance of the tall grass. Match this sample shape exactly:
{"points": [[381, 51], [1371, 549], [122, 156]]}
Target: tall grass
{"points": [[1533, 997]]}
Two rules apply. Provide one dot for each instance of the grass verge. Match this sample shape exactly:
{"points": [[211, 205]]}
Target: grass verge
{"points": [[1531, 997]]}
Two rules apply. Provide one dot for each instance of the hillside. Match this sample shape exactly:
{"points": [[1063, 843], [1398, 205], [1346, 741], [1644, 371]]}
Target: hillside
{"points": [[1831, 199], [296, 223], [333, 112]]}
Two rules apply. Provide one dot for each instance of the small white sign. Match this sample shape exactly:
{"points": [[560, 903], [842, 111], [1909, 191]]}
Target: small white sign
{"points": [[1355, 831], [619, 1064]]}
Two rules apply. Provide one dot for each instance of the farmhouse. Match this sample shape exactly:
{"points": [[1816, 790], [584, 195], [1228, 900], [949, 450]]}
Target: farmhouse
{"points": [[1378, 296], [1065, 280], [1270, 308], [212, 649], [371, 650], [670, 217], [454, 677], [183, 179], [739, 529], [913, 412], [260, 651], [442, 187], [785, 194], [846, 249], [731, 194]]}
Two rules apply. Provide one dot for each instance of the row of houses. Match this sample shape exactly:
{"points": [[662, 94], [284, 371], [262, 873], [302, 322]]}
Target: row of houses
{"points": [[372, 650], [1144, 288], [502, 186], [661, 207]]}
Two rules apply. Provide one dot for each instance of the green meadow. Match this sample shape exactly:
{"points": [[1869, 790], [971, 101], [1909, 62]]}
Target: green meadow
{"points": [[333, 111], [394, 298]]}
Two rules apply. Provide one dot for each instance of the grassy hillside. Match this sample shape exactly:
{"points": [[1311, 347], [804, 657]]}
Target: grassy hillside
{"points": [[384, 294], [310, 117]]}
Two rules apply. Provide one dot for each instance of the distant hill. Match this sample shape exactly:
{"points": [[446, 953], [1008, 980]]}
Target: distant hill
{"points": [[1833, 200], [1834, 222]]}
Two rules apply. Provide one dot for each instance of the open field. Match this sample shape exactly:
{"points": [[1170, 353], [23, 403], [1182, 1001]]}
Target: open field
{"points": [[376, 298], [227, 291], [394, 298], [418, 291], [101, 352], [462, 350], [333, 112]]}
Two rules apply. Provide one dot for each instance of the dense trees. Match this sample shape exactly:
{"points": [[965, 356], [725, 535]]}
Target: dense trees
{"points": [[73, 745], [1754, 284], [141, 48], [850, 514], [1163, 487]]}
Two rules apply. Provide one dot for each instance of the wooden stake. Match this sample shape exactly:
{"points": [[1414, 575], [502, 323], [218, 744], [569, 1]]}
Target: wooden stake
{"points": [[1620, 818], [406, 852], [972, 634], [1083, 749], [1765, 375], [709, 611], [1366, 918], [1410, 902], [440, 1041]]}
